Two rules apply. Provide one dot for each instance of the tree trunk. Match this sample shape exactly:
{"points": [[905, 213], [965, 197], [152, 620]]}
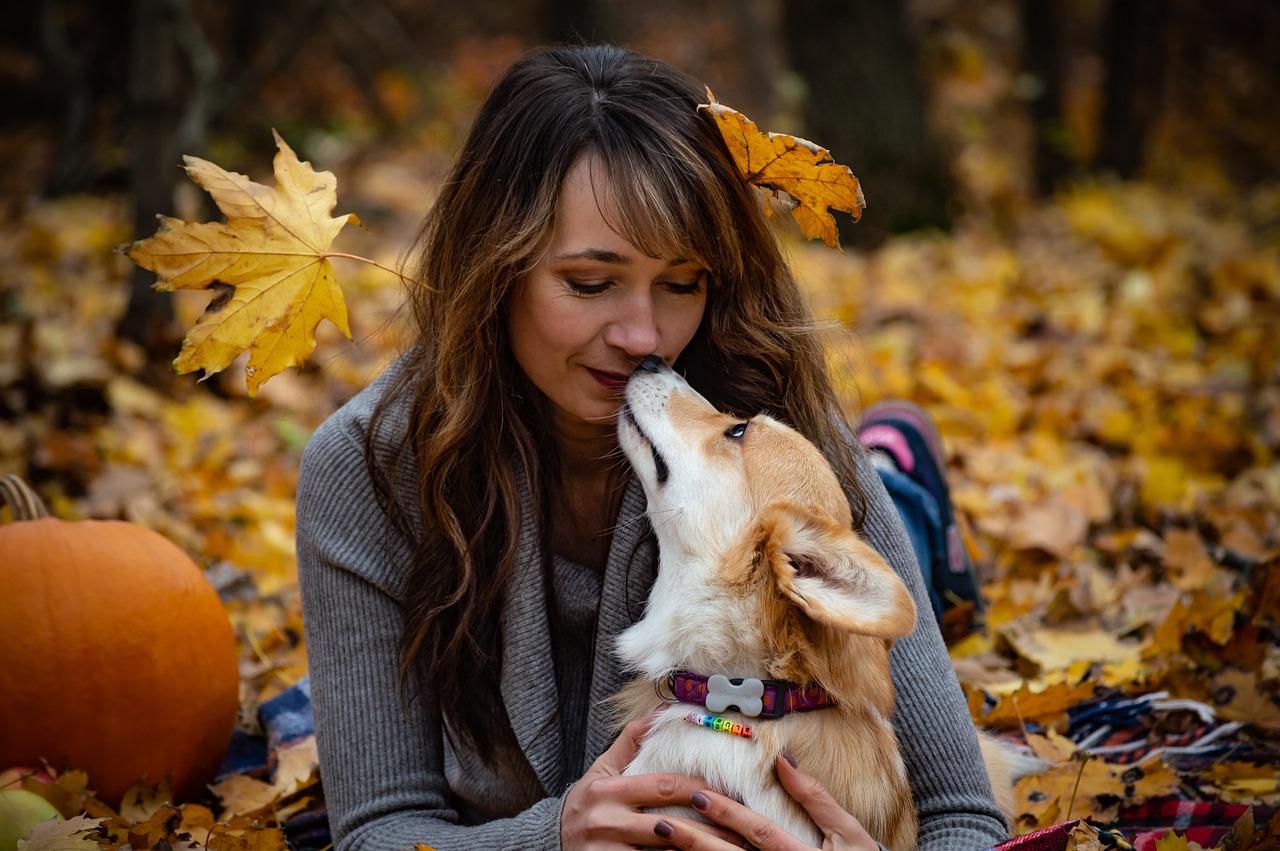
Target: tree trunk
{"points": [[1133, 37], [154, 118], [866, 105], [1042, 60]]}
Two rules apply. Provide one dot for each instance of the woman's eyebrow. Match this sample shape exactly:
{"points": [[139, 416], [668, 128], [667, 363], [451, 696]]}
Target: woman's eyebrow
{"points": [[601, 255]]}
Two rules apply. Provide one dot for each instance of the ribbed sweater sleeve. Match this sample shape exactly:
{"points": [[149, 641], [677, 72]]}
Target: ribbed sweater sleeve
{"points": [[382, 760], [945, 768]]}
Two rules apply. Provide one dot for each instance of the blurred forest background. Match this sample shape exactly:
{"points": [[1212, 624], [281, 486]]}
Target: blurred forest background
{"points": [[1070, 255]]}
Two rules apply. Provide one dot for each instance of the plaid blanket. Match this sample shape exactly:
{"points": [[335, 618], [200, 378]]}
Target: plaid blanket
{"points": [[1203, 822], [1125, 730], [1117, 729], [1138, 828], [284, 720]]}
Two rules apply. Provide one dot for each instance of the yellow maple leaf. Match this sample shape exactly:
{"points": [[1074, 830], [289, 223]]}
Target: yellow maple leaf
{"points": [[1078, 787], [796, 166], [1172, 842], [1047, 649], [1044, 705], [267, 266]]}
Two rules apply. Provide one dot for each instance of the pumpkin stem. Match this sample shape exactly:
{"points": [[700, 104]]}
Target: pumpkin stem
{"points": [[24, 502]]}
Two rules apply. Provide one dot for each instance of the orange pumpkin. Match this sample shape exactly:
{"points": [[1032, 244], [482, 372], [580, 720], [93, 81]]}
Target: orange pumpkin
{"points": [[116, 655]]}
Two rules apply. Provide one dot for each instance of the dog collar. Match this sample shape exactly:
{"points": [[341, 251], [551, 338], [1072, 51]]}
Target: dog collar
{"points": [[752, 697]]}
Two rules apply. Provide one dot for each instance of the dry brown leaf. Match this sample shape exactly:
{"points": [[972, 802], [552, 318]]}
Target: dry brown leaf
{"points": [[1266, 591], [74, 834], [164, 824], [295, 769], [1054, 525], [796, 166], [240, 794], [1084, 837], [1053, 747], [1188, 562], [252, 839], [1240, 696], [70, 795], [197, 820], [1241, 835], [141, 801]]}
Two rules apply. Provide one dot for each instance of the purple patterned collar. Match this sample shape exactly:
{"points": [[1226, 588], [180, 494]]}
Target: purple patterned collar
{"points": [[751, 697]]}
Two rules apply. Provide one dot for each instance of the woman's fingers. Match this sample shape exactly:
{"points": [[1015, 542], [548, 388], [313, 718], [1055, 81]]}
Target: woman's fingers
{"points": [[691, 835], [751, 829], [840, 829], [810, 794], [605, 809], [644, 790]]}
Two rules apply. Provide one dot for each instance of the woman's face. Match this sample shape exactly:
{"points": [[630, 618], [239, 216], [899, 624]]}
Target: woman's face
{"points": [[594, 306]]}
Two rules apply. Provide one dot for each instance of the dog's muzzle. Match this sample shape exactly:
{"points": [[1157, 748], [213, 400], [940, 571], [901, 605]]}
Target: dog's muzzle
{"points": [[652, 364]]}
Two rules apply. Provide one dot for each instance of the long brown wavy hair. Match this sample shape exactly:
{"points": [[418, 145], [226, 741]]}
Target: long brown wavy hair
{"points": [[475, 428]]}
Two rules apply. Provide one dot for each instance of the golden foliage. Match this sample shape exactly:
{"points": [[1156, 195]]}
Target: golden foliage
{"points": [[1103, 369], [796, 166], [267, 267]]}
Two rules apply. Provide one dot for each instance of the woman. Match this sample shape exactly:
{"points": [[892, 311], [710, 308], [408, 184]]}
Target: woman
{"points": [[469, 538]]}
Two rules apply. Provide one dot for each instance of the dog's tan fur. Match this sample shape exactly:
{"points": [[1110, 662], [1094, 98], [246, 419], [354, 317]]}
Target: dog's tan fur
{"points": [[761, 576]]}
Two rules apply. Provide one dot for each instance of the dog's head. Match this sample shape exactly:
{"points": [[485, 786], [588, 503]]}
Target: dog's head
{"points": [[753, 529]]}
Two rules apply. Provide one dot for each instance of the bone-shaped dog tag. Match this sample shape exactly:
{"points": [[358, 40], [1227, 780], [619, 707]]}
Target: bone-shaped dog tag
{"points": [[747, 698]]}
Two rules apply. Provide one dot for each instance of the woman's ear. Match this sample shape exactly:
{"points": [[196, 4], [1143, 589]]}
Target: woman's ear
{"points": [[833, 576]]}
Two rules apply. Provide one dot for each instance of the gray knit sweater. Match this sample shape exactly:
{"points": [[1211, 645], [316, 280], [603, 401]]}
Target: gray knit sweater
{"points": [[391, 778]]}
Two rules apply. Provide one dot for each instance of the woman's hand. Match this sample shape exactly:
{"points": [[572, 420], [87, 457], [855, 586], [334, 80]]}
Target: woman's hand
{"points": [[840, 831], [605, 810]]}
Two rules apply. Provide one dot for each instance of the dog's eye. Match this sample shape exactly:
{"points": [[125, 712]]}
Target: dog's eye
{"points": [[736, 431]]}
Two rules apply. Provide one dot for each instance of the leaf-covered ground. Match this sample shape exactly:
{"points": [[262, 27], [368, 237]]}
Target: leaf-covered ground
{"points": [[1105, 371], [1104, 366]]}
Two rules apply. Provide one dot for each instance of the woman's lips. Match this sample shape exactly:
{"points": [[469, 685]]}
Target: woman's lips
{"points": [[613, 381]]}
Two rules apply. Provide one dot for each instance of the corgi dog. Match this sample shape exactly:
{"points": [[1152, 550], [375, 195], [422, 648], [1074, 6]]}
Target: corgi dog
{"points": [[770, 621]]}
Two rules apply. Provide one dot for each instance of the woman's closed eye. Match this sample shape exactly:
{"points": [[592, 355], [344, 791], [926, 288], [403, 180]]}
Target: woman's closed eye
{"points": [[684, 287], [590, 288], [587, 288]]}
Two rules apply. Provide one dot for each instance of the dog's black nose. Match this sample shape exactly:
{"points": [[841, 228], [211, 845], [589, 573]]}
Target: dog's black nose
{"points": [[652, 363]]}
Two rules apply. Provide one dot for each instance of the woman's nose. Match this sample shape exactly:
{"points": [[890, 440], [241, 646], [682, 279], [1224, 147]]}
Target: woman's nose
{"points": [[635, 329]]}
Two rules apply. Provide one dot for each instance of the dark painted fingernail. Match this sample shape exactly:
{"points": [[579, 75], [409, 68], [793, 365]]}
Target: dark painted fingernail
{"points": [[791, 761], [663, 829], [699, 801]]}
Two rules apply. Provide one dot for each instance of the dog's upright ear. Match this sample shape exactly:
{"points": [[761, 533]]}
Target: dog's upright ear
{"points": [[833, 575]]}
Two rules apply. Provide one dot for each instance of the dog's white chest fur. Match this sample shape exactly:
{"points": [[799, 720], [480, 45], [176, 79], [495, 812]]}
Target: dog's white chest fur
{"points": [[735, 766]]}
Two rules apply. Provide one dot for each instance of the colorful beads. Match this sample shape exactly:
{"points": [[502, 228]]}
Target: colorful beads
{"points": [[720, 725]]}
